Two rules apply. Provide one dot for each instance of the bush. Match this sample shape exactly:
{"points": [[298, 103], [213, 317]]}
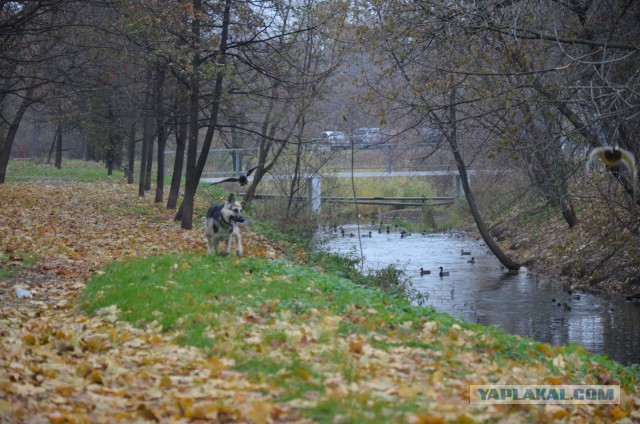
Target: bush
{"points": [[394, 281]]}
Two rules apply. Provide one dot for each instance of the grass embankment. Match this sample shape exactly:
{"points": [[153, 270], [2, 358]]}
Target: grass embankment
{"points": [[330, 348], [72, 170], [275, 340]]}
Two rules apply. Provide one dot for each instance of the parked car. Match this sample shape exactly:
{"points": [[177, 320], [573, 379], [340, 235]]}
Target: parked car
{"points": [[430, 135], [333, 137], [366, 135]]}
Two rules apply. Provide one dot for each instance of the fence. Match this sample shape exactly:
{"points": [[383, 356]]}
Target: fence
{"points": [[221, 163]]}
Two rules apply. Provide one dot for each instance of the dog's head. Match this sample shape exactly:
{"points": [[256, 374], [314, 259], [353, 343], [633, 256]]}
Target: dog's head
{"points": [[232, 210]]}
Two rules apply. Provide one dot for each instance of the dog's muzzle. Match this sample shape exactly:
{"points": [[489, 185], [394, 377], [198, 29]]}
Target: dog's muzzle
{"points": [[234, 221]]}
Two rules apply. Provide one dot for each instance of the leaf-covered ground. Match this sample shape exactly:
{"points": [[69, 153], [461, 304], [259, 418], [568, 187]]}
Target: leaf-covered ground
{"points": [[354, 363]]}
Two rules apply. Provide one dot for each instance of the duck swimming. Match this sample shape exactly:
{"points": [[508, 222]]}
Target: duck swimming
{"points": [[472, 260], [443, 273], [462, 252], [424, 272]]}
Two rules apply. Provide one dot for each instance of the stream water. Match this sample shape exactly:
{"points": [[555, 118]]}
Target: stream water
{"points": [[484, 293]]}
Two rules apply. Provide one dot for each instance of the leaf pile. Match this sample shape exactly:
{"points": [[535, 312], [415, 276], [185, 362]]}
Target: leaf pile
{"points": [[329, 351], [57, 364]]}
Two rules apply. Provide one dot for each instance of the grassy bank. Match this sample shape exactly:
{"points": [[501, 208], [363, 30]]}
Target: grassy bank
{"points": [[72, 170], [330, 348]]}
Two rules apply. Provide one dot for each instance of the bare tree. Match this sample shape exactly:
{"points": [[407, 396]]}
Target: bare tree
{"points": [[29, 37]]}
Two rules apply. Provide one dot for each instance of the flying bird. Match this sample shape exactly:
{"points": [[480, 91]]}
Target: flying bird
{"points": [[242, 179], [613, 156]]}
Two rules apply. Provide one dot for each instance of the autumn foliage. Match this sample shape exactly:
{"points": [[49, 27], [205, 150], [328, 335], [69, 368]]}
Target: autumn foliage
{"points": [[319, 355]]}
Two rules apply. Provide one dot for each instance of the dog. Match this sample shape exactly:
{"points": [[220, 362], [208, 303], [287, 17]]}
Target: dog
{"points": [[222, 223]]}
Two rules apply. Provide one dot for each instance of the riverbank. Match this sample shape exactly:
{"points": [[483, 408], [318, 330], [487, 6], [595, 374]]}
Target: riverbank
{"points": [[600, 255], [480, 291], [287, 343]]}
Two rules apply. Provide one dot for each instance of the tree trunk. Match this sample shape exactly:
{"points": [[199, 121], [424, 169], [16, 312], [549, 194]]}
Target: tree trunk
{"points": [[131, 153], [147, 133], [547, 168], [263, 152], [162, 136], [186, 208], [263, 168], [583, 129], [568, 212], [473, 207], [181, 141], [149, 160], [268, 133], [109, 155], [162, 141], [58, 163], [53, 146], [295, 181], [143, 154], [7, 143]]}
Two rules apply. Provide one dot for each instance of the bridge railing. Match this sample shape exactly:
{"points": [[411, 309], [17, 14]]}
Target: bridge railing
{"points": [[221, 163], [224, 163]]}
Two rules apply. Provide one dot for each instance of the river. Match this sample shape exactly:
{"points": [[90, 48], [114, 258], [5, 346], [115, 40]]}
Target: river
{"points": [[484, 293]]}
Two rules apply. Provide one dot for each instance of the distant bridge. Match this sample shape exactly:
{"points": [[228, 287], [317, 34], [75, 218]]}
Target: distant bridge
{"points": [[314, 188], [224, 159]]}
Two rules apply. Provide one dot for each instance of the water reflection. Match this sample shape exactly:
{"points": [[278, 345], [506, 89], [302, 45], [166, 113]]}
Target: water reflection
{"points": [[482, 292]]}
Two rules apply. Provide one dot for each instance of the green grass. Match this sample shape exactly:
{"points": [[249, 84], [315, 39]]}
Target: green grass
{"points": [[220, 304], [213, 303], [72, 170], [178, 290], [10, 264]]}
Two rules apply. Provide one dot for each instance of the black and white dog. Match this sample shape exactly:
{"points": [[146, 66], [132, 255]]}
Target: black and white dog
{"points": [[222, 223]]}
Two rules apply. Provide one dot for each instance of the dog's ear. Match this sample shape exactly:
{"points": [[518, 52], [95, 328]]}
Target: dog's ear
{"points": [[231, 198]]}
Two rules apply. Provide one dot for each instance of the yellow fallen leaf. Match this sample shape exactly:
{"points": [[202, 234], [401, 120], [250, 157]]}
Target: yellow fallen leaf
{"points": [[302, 373], [29, 339], [553, 380], [425, 419], [617, 413], [147, 414], [355, 346], [95, 377], [186, 404], [65, 390], [558, 362], [5, 406], [545, 349], [260, 412], [165, 382]]}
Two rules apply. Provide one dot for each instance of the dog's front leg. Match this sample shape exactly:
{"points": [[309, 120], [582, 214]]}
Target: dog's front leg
{"points": [[210, 243], [229, 243], [238, 243], [216, 245]]}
